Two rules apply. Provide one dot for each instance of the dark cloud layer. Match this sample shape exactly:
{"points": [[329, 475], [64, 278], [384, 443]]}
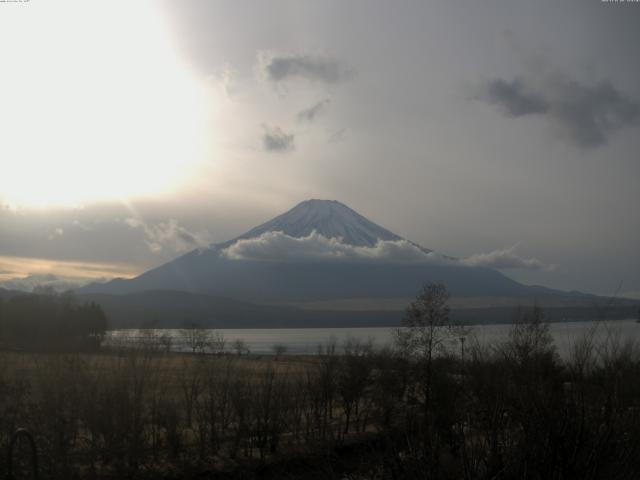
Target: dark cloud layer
{"points": [[311, 113], [592, 113], [275, 139], [315, 68], [514, 98], [586, 114]]}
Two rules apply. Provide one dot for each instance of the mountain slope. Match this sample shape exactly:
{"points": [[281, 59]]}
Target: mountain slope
{"points": [[279, 280]]}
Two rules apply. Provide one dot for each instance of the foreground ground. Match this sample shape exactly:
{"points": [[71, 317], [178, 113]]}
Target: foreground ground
{"points": [[513, 410]]}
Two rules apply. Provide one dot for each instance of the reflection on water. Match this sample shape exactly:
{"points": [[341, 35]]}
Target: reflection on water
{"points": [[306, 340]]}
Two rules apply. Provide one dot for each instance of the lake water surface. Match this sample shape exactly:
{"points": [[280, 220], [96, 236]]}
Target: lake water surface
{"points": [[306, 340]]}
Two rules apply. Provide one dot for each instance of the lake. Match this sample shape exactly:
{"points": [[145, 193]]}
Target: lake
{"points": [[299, 341]]}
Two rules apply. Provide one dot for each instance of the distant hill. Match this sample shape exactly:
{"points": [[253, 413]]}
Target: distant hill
{"points": [[171, 309]]}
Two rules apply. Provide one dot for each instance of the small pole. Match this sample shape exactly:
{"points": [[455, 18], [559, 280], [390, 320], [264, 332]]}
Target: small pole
{"points": [[22, 432]]}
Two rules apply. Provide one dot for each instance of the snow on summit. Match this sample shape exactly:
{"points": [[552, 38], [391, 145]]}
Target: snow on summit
{"points": [[329, 218], [319, 230]]}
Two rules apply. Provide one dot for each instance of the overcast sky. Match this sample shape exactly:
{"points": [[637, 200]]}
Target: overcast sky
{"points": [[132, 134]]}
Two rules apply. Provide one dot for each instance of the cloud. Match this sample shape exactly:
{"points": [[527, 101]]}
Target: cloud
{"points": [[311, 113], [82, 226], [592, 113], [278, 246], [271, 246], [279, 68], [59, 283], [587, 115], [168, 236], [275, 139], [227, 79], [21, 267], [514, 98], [505, 258], [337, 136], [55, 233]]}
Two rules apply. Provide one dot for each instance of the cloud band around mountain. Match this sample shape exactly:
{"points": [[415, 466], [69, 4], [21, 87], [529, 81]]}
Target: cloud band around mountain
{"points": [[278, 246], [503, 259], [274, 246]]}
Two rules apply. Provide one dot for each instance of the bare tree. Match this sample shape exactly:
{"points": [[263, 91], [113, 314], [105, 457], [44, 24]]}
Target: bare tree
{"points": [[195, 337], [353, 377], [425, 329], [530, 337], [215, 342], [240, 347], [166, 341], [279, 349], [426, 323]]}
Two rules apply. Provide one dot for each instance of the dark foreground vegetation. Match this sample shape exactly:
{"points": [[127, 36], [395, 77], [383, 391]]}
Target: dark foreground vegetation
{"points": [[510, 411], [49, 321]]}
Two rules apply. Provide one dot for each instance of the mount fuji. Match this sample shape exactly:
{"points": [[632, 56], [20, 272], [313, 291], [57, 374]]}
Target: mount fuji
{"points": [[321, 264], [320, 250]]}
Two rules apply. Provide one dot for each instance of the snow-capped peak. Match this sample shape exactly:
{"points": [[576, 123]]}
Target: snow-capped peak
{"points": [[329, 218]]}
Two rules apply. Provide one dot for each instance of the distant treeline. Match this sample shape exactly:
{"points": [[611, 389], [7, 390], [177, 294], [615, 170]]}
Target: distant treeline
{"points": [[169, 309], [48, 321]]}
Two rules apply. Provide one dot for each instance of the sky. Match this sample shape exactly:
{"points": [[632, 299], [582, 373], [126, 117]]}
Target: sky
{"points": [[503, 132]]}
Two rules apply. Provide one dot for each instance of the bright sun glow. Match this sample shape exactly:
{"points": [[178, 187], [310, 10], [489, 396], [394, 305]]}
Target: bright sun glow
{"points": [[94, 103]]}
